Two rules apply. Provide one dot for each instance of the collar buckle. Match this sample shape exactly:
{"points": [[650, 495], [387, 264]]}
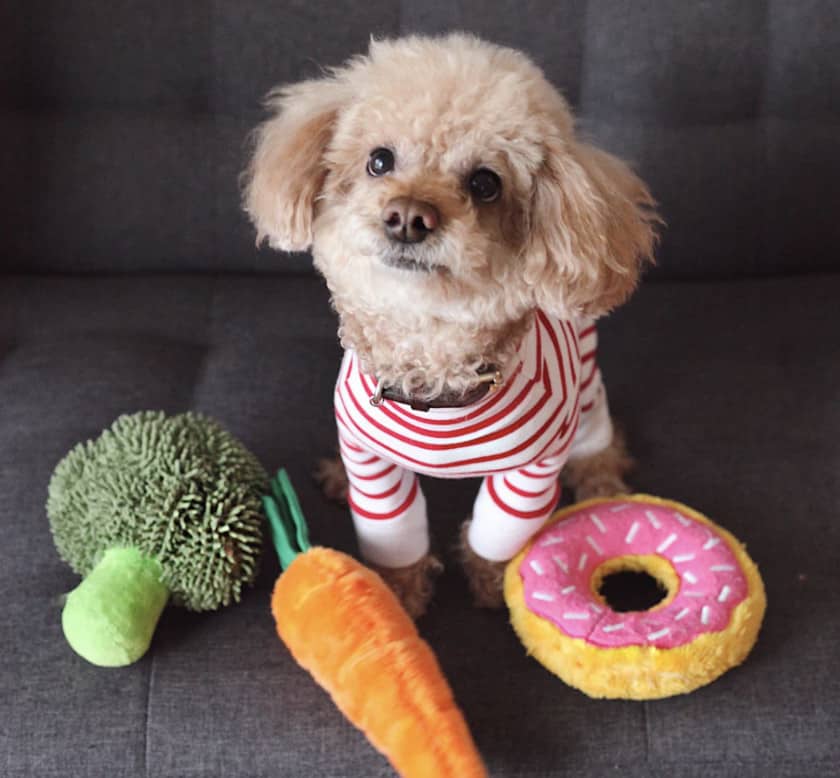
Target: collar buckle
{"points": [[376, 397]]}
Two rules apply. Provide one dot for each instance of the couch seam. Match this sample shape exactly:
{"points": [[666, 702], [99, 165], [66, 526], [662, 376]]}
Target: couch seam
{"points": [[210, 318], [762, 161]]}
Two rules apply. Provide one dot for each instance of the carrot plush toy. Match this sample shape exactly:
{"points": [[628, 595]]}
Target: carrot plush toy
{"points": [[344, 625]]}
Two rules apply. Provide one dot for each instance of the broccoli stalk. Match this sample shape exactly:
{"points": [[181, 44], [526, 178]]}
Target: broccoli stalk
{"points": [[110, 617], [156, 509]]}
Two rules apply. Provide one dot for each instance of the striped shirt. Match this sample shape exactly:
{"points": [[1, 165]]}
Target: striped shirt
{"points": [[551, 405]]}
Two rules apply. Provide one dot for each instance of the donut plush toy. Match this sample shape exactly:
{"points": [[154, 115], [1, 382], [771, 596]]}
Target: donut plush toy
{"points": [[707, 622]]}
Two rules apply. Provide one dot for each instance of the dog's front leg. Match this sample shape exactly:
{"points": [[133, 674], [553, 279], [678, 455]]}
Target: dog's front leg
{"points": [[510, 508], [389, 514]]}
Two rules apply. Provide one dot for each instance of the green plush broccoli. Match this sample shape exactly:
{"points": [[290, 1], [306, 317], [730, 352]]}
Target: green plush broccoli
{"points": [[157, 508]]}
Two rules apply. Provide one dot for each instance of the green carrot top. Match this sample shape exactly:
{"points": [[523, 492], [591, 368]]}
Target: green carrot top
{"points": [[285, 517]]}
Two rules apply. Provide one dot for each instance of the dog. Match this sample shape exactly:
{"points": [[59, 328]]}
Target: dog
{"points": [[469, 240]]}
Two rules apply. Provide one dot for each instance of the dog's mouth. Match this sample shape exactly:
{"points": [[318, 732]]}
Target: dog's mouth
{"points": [[411, 264]]}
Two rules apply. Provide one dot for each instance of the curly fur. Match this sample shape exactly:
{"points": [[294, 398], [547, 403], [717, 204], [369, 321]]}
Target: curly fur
{"points": [[569, 234], [414, 584], [331, 476], [484, 576], [602, 474]]}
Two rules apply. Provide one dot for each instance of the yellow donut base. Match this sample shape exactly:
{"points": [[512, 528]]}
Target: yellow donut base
{"points": [[639, 672]]}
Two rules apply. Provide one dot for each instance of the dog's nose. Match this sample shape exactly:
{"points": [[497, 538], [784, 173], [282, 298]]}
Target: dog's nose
{"points": [[408, 220]]}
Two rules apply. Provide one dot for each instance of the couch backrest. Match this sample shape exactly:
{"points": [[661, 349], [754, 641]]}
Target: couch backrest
{"points": [[123, 124]]}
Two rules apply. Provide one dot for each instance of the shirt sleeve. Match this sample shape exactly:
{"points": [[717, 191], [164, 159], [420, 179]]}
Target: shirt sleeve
{"points": [[595, 430], [387, 505]]}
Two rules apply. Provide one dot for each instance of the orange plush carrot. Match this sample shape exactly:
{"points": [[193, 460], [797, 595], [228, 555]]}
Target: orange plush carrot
{"points": [[344, 625]]}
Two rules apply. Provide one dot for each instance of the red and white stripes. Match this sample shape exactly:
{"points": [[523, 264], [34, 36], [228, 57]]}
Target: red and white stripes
{"points": [[518, 438], [594, 432], [511, 507]]}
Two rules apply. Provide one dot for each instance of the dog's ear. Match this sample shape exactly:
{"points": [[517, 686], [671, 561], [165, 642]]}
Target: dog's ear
{"points": [[287, 169], [592, 228]]}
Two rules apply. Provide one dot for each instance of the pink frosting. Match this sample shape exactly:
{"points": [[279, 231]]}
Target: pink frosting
{"points": [[557, 571]]}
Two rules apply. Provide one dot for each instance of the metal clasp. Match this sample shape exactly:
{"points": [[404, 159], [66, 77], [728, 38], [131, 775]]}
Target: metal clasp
{"points": [[376, 397], [495, 380]]}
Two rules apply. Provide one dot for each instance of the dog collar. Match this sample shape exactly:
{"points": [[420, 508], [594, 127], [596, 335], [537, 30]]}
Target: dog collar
{"points": [[488, 378]]}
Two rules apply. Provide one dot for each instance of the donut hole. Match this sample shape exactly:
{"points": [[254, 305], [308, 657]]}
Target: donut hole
{"points": [[630, 590], [635, 583]]}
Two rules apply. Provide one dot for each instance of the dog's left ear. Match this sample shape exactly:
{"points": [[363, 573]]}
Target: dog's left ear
{"points": [[592, 230], [287, 170]]}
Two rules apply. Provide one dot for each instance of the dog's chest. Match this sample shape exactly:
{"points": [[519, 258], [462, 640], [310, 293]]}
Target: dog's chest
{"points": [[533, 415]]}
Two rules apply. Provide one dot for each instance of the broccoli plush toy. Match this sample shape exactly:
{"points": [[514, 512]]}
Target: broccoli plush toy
{"points": [[157, 508]]}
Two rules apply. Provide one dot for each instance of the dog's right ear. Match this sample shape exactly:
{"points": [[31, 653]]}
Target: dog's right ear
{"points": [[287, 169]]}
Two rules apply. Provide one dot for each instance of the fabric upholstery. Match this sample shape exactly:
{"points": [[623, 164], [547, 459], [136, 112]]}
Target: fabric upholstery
{"points": [[129, 279], [124, 125], [727, 408]]}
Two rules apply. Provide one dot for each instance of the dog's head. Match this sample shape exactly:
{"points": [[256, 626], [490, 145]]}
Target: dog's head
{"points": [[441, 178]]}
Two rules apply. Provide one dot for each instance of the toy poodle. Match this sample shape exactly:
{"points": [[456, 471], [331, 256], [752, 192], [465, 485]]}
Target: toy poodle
{"points": [[469, 240]]}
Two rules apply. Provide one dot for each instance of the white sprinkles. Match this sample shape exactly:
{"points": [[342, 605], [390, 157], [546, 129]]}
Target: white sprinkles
{"points": [[667, 543], [707, 609], [537, 567]]}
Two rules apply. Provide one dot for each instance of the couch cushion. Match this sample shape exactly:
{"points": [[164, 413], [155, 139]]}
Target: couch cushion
{"points": [[728, 395], [124, 126]]}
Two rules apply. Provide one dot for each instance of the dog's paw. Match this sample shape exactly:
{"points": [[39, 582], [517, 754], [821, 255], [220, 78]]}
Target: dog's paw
{"points": [[485, 577], [600, 485], [332, 478], [602, 474], [413, 585]]}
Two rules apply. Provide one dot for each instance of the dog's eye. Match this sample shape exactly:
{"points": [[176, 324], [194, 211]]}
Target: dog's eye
{"points": [[485, 185], [380, 162]]}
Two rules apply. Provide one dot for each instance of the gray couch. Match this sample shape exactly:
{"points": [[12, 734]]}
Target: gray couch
{"points": [[128, 280]]}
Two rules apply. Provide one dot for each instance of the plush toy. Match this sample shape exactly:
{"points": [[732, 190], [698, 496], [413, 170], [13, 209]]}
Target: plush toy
{"points": [[344, 625], [156, 509], [707, 622]]}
